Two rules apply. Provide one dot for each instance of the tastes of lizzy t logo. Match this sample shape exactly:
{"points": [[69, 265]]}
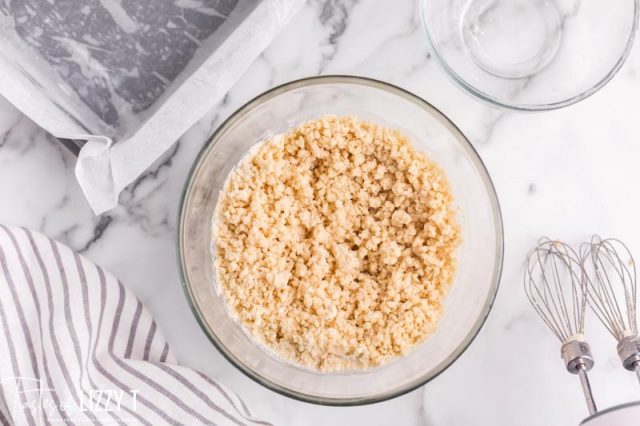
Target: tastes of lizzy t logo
{"points": [[27, 396]]}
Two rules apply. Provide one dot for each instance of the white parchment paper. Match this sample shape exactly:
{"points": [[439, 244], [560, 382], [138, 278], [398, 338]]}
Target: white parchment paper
{"points": [[129, 77]]}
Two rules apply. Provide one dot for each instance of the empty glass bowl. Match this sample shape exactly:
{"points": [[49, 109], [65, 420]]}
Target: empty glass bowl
{"points": [[480, 255], [531, 54]]}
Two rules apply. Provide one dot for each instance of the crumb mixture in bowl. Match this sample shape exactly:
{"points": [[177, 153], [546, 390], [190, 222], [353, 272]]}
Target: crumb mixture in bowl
{"points": [[335, 244]]}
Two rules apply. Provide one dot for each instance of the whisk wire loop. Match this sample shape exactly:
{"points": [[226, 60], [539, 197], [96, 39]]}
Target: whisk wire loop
{"points": [[553, 283], [611, 285]]}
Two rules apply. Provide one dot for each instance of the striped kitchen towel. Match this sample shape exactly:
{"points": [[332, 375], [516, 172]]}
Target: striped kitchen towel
{"points": [[76, 346]]}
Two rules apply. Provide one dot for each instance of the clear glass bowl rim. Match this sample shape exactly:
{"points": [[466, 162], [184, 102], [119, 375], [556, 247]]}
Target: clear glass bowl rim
{"points": [[466, 145], [531, 107]]}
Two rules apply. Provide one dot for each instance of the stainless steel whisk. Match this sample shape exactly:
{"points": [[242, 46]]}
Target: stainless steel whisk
{"points": [[553, 282], [611, 288]]}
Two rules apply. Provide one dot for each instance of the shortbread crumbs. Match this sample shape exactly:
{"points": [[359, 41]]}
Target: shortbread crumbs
{"points": [[335, 244]]}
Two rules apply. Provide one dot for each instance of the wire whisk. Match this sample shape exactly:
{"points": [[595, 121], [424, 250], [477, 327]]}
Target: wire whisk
{"points": [[554, 283], [612, 294]]}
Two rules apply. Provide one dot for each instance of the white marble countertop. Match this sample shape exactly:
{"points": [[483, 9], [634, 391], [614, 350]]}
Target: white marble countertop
{"points": [[565, 174]]}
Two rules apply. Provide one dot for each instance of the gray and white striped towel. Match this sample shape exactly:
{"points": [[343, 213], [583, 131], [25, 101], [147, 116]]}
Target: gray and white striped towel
{"points": [[76, 346]]}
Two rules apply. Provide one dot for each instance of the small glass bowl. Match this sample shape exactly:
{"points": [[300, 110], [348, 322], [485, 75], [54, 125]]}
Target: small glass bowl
{"points": [[531, 55], [479, 257]]}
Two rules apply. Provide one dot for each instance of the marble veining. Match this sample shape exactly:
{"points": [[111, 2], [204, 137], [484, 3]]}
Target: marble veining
{"points": [[564, 174]]}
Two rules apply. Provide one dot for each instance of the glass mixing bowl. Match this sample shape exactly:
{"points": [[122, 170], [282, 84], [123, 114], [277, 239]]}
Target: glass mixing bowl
{"points": [[480, 254], [531, 54]]}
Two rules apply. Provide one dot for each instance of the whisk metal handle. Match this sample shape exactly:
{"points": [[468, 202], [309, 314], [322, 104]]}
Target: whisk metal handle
{"points": [[586, 389], [629, 352], [578, 360]]}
